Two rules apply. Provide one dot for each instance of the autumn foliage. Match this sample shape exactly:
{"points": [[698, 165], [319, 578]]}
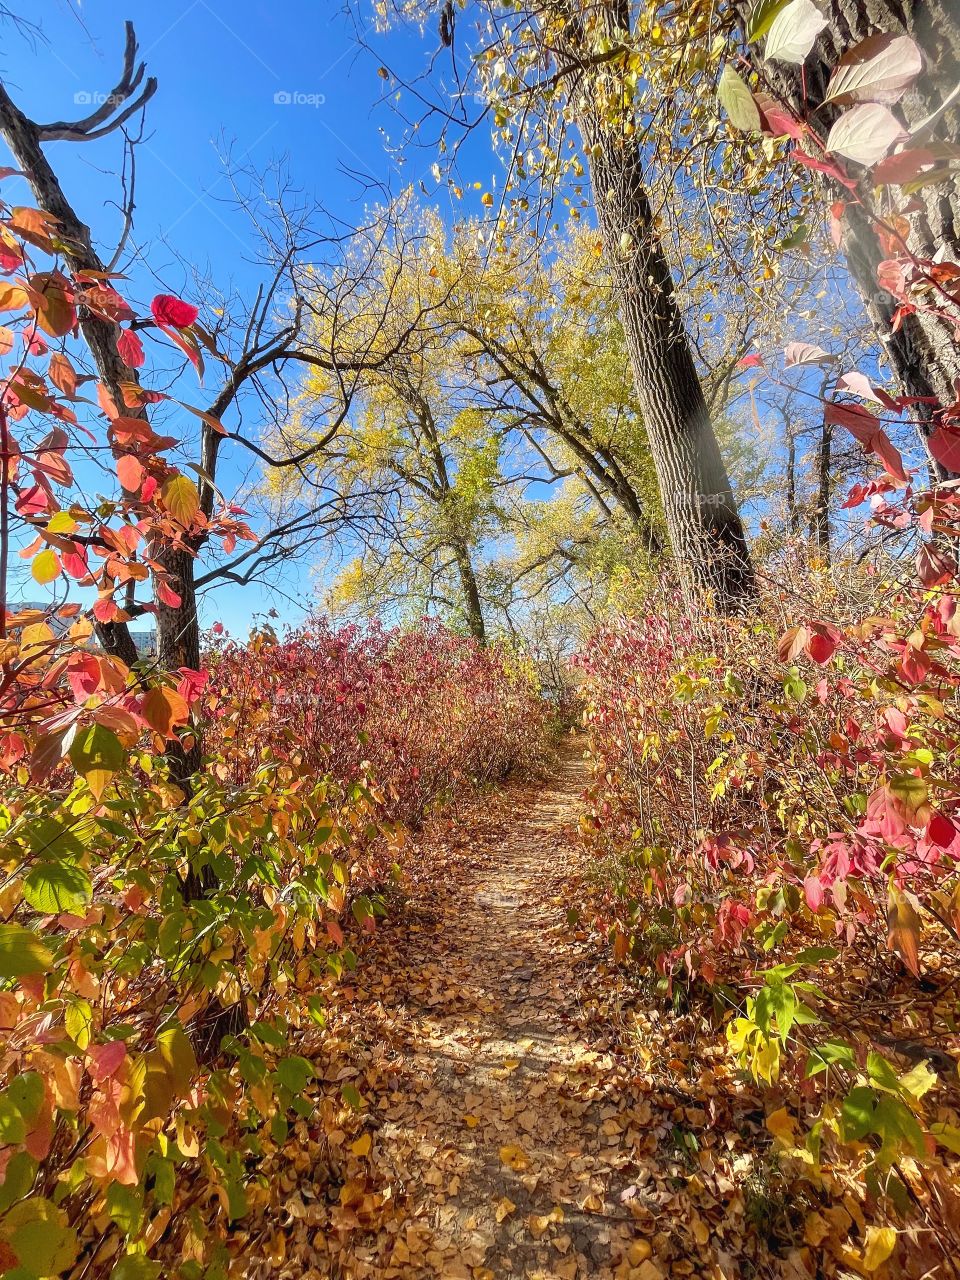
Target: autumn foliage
{"points": [[426, 711]]}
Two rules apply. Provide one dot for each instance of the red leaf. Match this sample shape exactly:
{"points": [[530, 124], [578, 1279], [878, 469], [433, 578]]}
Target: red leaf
{"points": [[828, 167], [130, 471], [130, 349], [165, 593], [173, 312], [934, 567], [945, 447], [860, 422], [106, 1059], [822, 642], [941, 831]]}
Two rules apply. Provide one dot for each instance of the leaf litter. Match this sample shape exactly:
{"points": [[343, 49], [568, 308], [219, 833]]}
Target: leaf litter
{"points": [[491, 1102]]}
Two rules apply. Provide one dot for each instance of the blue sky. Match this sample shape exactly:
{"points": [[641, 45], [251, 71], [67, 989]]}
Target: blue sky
{"points": [[267, 81]]}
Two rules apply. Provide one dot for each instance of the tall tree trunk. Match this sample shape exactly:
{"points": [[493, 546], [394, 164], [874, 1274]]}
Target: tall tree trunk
{"points": [[820, 516], [471, 592], [705, 529], [790, 478], [924, 354]]}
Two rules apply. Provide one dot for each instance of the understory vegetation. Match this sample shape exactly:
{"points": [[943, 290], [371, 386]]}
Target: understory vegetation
{"points": [[646, 454]]}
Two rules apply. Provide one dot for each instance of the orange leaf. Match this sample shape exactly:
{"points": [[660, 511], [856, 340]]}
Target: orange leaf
{"points": [[164, 709]]}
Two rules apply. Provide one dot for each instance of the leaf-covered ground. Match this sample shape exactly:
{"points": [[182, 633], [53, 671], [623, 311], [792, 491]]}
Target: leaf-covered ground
{"points": [[504, 1128]]}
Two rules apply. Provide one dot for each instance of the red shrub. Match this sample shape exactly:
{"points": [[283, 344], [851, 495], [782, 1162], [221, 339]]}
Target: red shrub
{"points": [[425, 710]]}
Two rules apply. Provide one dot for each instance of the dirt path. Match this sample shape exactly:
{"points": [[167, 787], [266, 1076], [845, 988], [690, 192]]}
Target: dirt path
{"points": [[499, 1136], [504, 1140]]}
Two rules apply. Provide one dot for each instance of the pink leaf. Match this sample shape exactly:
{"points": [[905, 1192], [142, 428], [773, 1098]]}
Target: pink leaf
{"points": [[805, 353], [106, 1059], [878, 69], [865, 133], [860, 422], [860, 385], [813, 892]]}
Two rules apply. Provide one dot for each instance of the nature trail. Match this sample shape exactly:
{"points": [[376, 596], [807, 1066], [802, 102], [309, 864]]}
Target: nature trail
{"points": [[501, 1138]]}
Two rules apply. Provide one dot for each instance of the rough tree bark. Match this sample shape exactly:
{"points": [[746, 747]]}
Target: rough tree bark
{"points": [[706, 532], [924, 354], [820, 516], [471, 592]]}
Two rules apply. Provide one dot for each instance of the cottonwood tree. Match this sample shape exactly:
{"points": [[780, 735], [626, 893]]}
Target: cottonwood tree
{"points": [[538, 71], [521, 378]]}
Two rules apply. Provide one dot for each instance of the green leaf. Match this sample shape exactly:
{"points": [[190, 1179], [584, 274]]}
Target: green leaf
{"points": [[97, 754], [164, 1178], [38, 1233], [125, 1207], [21, 952], [882, 1072], [79, 1019], [814, 955], [947, 1135], [737, 100], [52, 887], [12, 1128], [177, 1053], [858, 1111], [21, 1171], [351, 1096], [26, 1093], [295, 1073], [761, 16], [898, 1128]]}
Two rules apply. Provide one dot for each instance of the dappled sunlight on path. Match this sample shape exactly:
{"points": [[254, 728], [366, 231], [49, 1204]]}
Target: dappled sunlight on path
{"points": [[500, 1134]]}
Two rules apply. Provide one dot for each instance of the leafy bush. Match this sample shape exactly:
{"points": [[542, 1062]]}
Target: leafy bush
{"points": [[782, 813], [426, 710]]}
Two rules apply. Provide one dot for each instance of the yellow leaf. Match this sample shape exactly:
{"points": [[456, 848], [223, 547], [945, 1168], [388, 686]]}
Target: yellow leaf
{"points": [[881, 1242], [362, 1145], [504, 1209], [45, 566], [471, 1121], [514, 1157], [781, 1125], [486, 199], [903, 924], [181, 499]]}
